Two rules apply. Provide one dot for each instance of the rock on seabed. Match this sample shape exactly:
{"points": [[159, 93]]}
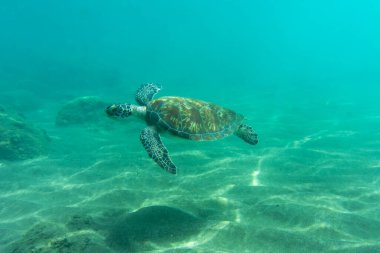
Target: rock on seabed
{"points": [[82, 110], [20, 140]]}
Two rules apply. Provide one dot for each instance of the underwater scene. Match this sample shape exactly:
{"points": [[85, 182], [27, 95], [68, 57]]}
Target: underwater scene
{"points": [[190, 126]]}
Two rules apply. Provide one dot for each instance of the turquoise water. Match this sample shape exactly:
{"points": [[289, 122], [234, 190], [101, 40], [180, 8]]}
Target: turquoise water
{"points": [[304, 73]]}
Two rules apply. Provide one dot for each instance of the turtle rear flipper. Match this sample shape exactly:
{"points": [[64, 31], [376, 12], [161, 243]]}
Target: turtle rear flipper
{"points": [[247, 134], [146, 93], [157, 151]]}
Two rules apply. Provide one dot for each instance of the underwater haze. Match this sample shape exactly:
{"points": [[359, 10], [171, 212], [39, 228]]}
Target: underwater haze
{"points": [[305, 74]]}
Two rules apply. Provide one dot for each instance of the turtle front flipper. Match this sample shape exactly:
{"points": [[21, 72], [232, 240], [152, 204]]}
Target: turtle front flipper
{"points": [[157, 151], [247, 134], [145, 93]]}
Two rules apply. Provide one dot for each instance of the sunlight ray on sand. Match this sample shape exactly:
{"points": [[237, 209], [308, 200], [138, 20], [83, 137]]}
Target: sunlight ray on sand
{"points": [[298, 143], [270, 154], [375, 164], [331, 153], [90, 199], [256, 171], [255, 178], [35, 161], [21, 217], [17, 193], [96, 164], [189, 153], [205, 236]]}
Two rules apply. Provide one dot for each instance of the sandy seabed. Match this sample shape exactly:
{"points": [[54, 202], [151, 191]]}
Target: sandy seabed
{"points": [[310, 185]]}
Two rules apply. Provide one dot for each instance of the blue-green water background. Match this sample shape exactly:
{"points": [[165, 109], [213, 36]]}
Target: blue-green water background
{"points": [[304, 73]]}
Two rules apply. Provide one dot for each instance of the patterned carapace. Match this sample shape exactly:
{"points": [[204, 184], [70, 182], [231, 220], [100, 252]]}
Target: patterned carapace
{"points": [[193, 119]]}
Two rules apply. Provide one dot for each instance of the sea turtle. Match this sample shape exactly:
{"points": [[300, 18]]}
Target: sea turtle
{"points": [[184, 117]]}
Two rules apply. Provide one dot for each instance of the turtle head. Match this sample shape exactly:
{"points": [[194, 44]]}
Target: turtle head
{"points": [[125, 110], [119, 110]]}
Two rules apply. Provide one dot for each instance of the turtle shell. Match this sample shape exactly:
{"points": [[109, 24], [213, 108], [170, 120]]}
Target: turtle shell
{"points": [[192, 119]]}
